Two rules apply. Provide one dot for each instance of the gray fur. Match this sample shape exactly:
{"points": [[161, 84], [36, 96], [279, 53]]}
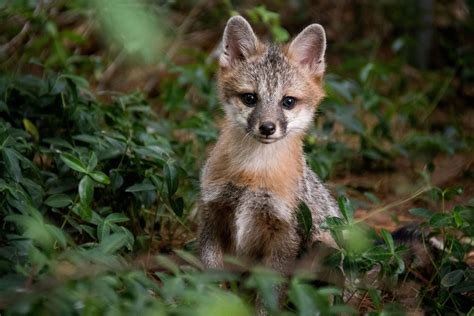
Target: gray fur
{"points": [[255, 224]]}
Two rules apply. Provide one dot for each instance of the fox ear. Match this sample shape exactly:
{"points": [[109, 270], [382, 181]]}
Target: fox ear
{"points": [[308, 48], [239, 41]]}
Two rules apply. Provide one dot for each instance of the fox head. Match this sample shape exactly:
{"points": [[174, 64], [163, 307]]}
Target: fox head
{"points": [[271, 92]]}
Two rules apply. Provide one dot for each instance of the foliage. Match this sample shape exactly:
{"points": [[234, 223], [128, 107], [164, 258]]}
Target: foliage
{"points": [[98, 191]]}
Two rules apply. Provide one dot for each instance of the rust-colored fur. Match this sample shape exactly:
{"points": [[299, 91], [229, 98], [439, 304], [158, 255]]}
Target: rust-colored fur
{"points": [[279, 178]]}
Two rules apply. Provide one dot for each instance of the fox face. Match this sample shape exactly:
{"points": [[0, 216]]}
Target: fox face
{"points": [[270, 92]]}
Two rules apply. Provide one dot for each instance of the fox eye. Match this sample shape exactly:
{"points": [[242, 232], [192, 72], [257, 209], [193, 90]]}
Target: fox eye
{"points": [[249, 99], [288, 103]]}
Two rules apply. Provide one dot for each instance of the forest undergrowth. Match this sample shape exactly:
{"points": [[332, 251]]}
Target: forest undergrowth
{"points": [[105, 123]]}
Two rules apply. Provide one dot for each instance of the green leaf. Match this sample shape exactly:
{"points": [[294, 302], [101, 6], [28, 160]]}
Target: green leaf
{"points": [[171, 178], [189, 258], [103, 229], [168, 264], [452, 278], [464, 286], [31, 128], [449, 193], [177, 205], [400, 264], [86, 190], [387, 237], [457, 219], [58, 200], [92, 162], [100, 177], [302, 295], [221, 303], [365, 72], [78, 80], [3, 106], [12, 164], [439, 220], [421, 212], [280, 35], [57, 234], [74, 163], [346, 208], [116, 218], [113, 242], [85, 212], [141, 187], [372, 197], [305, 220], [375, 296]]}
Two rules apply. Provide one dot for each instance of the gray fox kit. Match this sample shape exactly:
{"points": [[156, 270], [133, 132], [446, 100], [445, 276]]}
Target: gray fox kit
{"points": [[256, 176]]}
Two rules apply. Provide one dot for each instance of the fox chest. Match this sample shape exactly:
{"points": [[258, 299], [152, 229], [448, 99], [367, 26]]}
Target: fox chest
{"points": [[251, 220]]}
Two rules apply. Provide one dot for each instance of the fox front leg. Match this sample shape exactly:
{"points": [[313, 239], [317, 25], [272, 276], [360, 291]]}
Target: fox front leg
{"points": [[209, 236], [212, 254]]}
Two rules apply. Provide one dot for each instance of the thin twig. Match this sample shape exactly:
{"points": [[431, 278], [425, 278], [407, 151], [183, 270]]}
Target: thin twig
{"points": [[110, 71], [391, 205], [183, 27]]}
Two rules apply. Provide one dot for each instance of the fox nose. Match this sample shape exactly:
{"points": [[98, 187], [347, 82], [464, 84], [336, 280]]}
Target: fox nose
{"points": [[267, 128]]}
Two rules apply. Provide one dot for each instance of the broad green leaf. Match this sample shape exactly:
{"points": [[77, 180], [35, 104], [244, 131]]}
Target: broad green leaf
{"points": [[345, 206], [113, 242], [86, 190], [439, 220], [326, 291], [171, 178], [12, 164], [58, 142], [449, 193], [85, 212], [302, 295], [103, 230], [100, 177], [452, 278], [466, 213], [168, 264], [57, 234], [92, 163], [280, 35], [372, 197], [91, 139], [457, 219], [421, 212], [375, 296], [189, 258], [3, 106], [141, 187], [365, 72], [116, 180], [387, 237], [355, 240], [177, 204], [305, 220], [117, 218], [104, 227], [464, 287], [139, 31], [58, 200], [79, 81], [73, 162], [266, 282], [222, 303], [400, 264]]}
